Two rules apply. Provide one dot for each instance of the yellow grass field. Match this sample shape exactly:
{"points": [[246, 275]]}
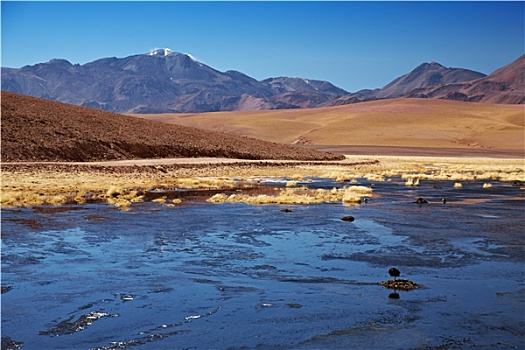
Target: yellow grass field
{"points": [[395, 122], [122, 185]]}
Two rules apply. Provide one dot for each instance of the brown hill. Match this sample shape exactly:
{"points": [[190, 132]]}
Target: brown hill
{"points": [[413, 122], [34, 129], [505, 85], [426, 75], [432, 80]]}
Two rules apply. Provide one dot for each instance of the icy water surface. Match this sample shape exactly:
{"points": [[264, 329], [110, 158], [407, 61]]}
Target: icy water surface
{"points": [[237, 276]]}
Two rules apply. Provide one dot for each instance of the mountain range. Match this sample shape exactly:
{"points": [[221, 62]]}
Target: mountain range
{"points": [[163, 81], [432, 80]]}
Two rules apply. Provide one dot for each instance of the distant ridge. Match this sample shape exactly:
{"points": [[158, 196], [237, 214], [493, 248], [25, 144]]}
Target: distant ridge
{"points": [[163, 81], [432, 80], [34, 129], [424, 76], [160, 81], [505, 85]]}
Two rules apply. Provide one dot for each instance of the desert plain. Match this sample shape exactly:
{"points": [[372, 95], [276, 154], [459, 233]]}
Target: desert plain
{"points": [[425, 126]]}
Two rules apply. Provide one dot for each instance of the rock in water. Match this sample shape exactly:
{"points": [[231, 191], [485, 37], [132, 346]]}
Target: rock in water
{"points": [[393, 272]]}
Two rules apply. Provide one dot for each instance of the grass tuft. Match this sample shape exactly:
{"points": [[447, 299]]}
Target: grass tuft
{"points": [[303, 195]]}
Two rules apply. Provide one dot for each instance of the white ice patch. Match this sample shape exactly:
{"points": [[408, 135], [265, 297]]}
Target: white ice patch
{"points": [[160, 52]]}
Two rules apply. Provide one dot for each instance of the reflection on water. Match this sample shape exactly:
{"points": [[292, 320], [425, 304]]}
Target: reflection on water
{"points": [[203, 275], [394, 295]]}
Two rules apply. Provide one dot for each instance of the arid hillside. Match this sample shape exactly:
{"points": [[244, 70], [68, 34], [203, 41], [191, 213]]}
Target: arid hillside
{"points": [[34, 129], [394, 122]]}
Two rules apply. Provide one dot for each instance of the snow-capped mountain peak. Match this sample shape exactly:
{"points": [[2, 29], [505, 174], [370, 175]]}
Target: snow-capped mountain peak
{"points": [[160, 52], [167, 52]]}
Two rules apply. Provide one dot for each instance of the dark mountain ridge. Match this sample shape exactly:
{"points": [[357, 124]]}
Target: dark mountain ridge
{"points": [[163, 81], [432, 80], [160, 81], [426, 75]]}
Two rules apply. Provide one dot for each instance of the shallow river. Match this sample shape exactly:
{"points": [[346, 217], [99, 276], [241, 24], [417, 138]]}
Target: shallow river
{"points": [[238, 276]]}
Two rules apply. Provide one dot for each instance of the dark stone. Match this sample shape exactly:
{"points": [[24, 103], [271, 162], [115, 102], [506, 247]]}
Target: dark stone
{"points": [[10, 344], [6, 289], [294, 305], [421, 201], [348, 218], [393, 272]]}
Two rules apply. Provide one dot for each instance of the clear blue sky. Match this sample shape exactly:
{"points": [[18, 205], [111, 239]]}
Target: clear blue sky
{"points": [[354, 45]]}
